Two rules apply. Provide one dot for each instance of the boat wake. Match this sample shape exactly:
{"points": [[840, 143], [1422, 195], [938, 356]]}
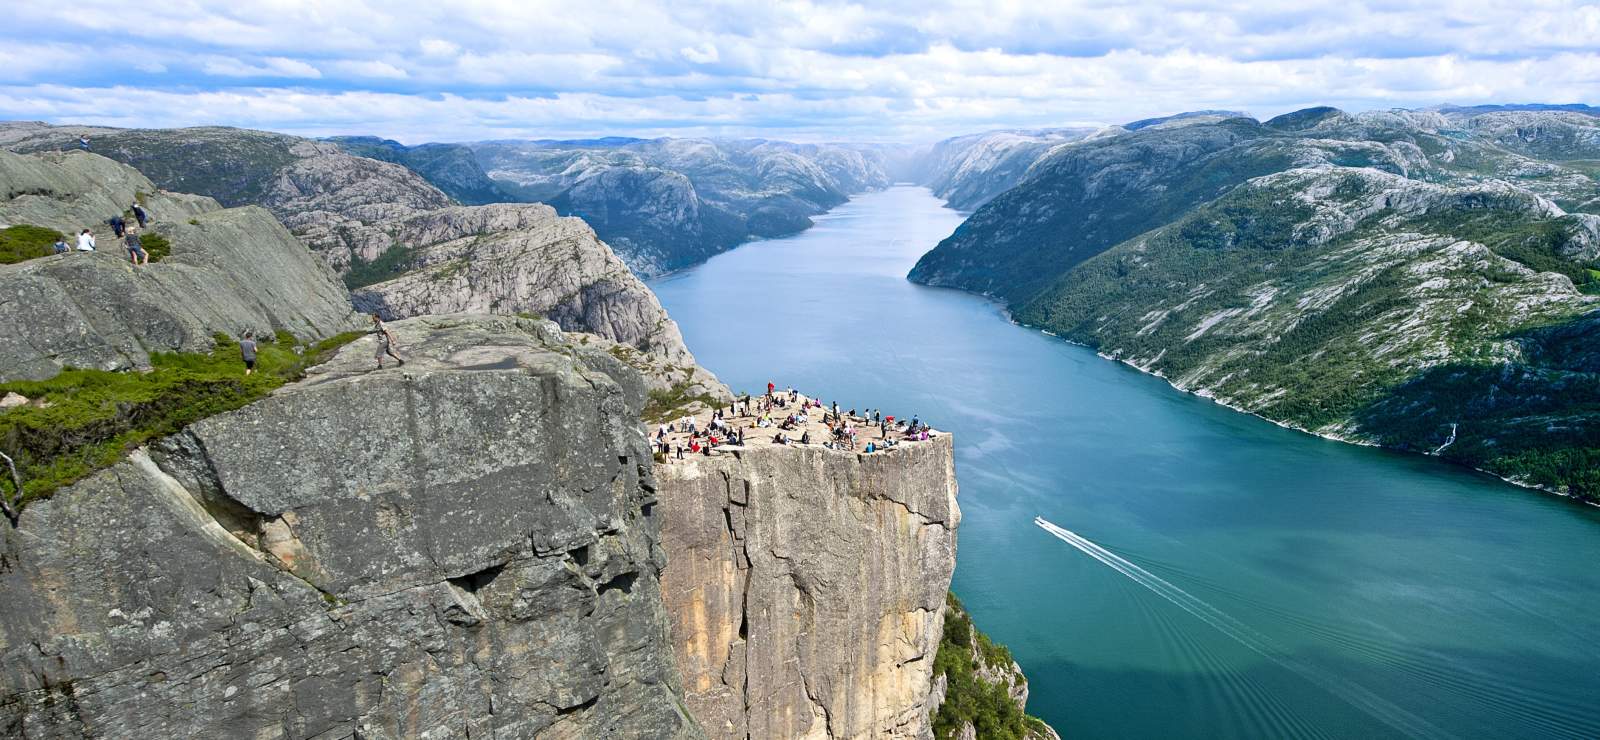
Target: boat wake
{"points": [[1357, 696]]}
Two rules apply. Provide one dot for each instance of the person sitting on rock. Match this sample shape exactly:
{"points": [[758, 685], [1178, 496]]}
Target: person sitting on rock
{"points": [[61, 246], [386, 343], [85, 241], [805, 437]]}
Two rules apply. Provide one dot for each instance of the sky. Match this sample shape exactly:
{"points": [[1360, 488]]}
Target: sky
{"points": [[915, 71]]}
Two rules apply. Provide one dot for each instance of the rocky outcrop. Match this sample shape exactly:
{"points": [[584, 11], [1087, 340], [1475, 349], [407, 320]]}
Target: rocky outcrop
{"points": [[806, 587], [339, 203], [230, 270], [515, 259], [465, 548]]}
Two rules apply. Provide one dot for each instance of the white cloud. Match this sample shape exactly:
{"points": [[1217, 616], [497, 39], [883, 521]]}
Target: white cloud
{"points": [[438, 48], [799, 68], [368, 68], [703, 54], [269, 67]]}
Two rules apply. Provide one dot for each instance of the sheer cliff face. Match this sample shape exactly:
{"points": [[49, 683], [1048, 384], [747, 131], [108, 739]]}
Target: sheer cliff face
{"points": [[230, 270], [807, 586], [467, 547]]}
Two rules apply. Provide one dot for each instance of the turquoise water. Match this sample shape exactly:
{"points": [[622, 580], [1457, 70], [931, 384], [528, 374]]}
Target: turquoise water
{"points": [[1262, 582]]}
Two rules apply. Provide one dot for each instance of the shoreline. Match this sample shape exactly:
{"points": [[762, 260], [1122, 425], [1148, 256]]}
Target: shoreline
{"points": [[1005, 312]]}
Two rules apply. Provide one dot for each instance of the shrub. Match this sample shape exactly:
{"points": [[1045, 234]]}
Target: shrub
{"points": [[157, 245], [969, 697], [25, 242]]}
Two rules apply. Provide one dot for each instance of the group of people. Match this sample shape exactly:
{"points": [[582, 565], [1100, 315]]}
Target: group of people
{"points": [[791, 417], [128, 233]]}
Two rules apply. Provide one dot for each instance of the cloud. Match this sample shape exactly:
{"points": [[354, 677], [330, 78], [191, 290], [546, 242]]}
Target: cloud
{"points": [[269, 67], [369, 68], [703, 54], [812, 69]]}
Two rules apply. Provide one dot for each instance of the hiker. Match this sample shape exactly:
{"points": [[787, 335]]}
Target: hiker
{"points": [[805, 437], [386, 342], [118, 226], [138, 213], [61, 246], [85, 241], [136, 253], [680, 452], [247, 352], [83, 143]]}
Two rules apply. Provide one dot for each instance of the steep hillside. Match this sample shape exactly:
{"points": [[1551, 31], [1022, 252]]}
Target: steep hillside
{"points": [[1394, 278], [968, 171], [664, 204], [373, 221], [230, 270], [1086, 197]]}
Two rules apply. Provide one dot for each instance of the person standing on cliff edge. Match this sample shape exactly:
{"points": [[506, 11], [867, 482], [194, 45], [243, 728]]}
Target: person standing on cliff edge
{"points": [[386, 342]]}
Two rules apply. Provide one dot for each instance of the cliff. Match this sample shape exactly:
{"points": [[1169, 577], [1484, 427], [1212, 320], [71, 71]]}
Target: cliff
{"points": [[464, 548], [806, 586], [230, 270]]}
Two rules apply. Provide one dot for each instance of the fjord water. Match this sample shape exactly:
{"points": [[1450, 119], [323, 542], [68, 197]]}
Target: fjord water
{"points": [[1276, 584]]}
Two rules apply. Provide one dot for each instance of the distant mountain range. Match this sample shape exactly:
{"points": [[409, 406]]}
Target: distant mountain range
{"points": [[1427, 280], [662, 204]]}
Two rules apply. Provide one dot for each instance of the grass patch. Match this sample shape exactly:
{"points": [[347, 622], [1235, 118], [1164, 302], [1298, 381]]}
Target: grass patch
{"points": [[665, 404], [25, 242], [393, 263], [95, 417], [969, 697]]}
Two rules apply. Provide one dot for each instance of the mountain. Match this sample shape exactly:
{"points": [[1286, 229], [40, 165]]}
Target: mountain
{"points": [[374, 222], [967, 171], [1424, 280], [453, 168], [665, 204]]}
